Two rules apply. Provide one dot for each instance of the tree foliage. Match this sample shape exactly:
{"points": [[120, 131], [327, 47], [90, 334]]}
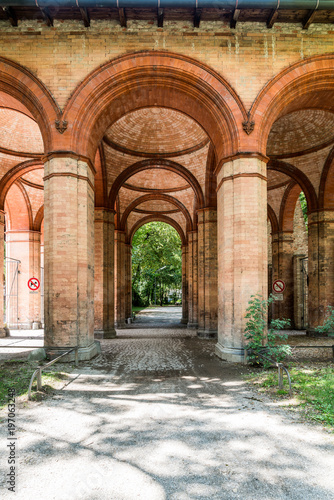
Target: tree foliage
{"points": [[303, 204], [156, 263]]}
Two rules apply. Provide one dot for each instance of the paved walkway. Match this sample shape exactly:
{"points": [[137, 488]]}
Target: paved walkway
{"points": [[157, 416], [153, 317]]}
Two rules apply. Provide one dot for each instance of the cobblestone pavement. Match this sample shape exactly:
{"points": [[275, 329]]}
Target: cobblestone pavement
{"points": [[157, 416]]}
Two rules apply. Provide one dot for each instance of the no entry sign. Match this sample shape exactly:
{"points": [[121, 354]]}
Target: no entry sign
{"points": [[34, 284], [278, 286]]}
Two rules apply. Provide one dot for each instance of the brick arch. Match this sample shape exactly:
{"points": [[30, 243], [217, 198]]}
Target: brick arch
{"points": [[153, 78], [288, 206], [160, 196], [326, 188], [14, 174], [285, 90], [300, 178], [157, 218], [20, 83], [273, 219], [162, 164]]}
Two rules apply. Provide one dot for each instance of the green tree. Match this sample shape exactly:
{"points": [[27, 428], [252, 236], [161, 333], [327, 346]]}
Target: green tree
{"points": [[303, 204], [156, 263]]}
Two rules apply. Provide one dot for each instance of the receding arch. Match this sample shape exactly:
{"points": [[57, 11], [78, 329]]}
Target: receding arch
{"points": [[326, 188], [288, 91], [39, 218], [158, 218], [154, 78], [20, 219], [300, 178], [288, 206], [14, 174], [273, 219], [160, 196], [162, 164]]}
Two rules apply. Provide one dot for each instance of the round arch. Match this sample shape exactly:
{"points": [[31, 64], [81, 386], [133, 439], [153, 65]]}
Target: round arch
{"points": [[149, 197], [161, 164], [154, 78], [20, 83], [300, 178], [288, 91], [158, 218]]}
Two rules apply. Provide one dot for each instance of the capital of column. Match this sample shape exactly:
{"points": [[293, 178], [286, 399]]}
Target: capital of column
{"points": [[321, 217], [242, 165], [67, 164], [104, 215], [283, 236]]}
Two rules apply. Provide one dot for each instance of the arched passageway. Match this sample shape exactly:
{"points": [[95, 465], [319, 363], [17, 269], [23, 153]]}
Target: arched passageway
{"points": [[164, 137]]}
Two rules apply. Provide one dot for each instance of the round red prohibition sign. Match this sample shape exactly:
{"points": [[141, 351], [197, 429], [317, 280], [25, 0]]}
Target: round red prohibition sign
{"points": [[34, 284], [278, 286]]}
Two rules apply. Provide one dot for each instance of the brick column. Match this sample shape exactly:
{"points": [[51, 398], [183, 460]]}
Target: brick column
{"points": [[25, 246], [185, 299], [207, 273], [128, 281], [104, 317], [2, 254], [320, 266], [282, 268], [242, 249], [69, 254], [192, 259], [120, 285]]}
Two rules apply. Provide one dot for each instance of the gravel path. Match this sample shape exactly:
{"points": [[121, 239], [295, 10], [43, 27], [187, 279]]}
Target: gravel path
{"points": [[157, 416]]}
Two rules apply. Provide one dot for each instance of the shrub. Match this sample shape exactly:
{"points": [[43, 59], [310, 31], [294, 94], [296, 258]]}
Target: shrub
{"points": [[262, 339], [328, 326]]}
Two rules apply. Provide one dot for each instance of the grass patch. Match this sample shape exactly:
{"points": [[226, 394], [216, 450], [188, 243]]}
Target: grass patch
{"points": [[313, 388], [16, 374]]}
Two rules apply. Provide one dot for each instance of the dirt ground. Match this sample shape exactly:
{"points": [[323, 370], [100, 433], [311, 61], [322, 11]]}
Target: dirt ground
{"points": [[158, 416]]}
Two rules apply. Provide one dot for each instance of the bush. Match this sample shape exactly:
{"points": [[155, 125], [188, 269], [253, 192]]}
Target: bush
{"points": [[328, 326], [262, 340]]}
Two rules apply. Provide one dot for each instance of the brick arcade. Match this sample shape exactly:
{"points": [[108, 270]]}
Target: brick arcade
{"points": [[215, 129]]}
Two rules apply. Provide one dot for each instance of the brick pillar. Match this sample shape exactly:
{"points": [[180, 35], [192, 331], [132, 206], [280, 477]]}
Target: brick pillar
{"points": [[320, 266], [192, 259], [25, 246], [2, 254], [104, 317], [184, 319], [128, 281], [69, 254], [120, 285], [207, 273], [242, 249], [282, 268]]}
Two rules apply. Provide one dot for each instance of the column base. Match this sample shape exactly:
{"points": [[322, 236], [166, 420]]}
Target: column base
{"points": [[84, 353], [184, 321], [4, 332], [207, 334], [311, 332], [105, 334], [37, 325], [231, 354], [193, 326], [120, 325]]}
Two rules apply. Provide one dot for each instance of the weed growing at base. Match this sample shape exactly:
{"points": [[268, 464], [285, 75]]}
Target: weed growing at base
{"points": [[261, 339]]}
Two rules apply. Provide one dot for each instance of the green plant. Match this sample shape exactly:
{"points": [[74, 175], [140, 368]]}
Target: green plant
{"points": [[328, 326], [261, 339]]}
